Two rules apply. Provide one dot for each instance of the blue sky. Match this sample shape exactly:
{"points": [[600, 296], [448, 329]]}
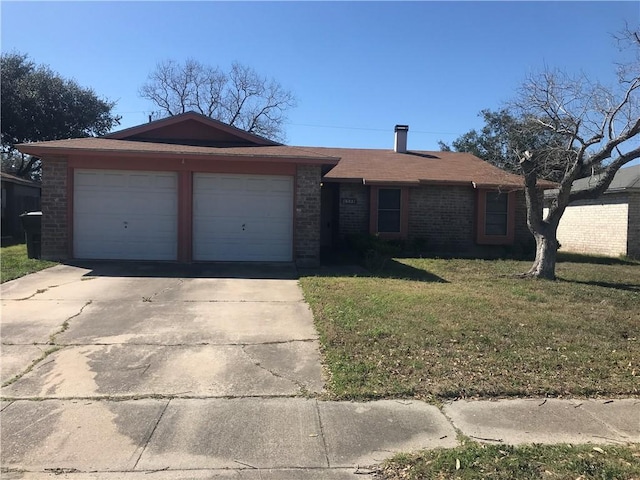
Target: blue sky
{"points": [[357, 68]]}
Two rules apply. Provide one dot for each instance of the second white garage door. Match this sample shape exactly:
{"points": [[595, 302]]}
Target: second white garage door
{"points": [[125, 215], [242, 217]]}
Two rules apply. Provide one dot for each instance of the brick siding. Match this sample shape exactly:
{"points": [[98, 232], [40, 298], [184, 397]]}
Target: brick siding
{"points": [[307, 220], [55, 242], [354, 217], [633, 229], [442, 219], [598, 226]]}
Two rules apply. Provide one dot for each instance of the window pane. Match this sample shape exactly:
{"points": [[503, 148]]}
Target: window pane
{"points": [[496, 202], [389, 199], [495, 222], [389, 221]]}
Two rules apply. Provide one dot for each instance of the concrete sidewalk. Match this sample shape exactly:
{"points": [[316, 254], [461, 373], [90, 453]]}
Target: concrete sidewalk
{"points": [[279, 437]]}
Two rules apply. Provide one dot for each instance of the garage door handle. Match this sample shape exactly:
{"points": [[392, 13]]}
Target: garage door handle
{"points": [[126, 224], [243, 225]]}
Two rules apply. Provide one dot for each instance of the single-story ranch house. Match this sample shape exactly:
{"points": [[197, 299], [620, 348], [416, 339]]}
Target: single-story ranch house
{"points": [[188, 188], [608, 225]]}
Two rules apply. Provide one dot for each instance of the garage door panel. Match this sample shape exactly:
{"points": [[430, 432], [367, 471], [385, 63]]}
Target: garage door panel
{"points": [[231, 185], [268, 229], [259, 228], [259, 186], [156, 182], [201, 183], [125, 215], [243, 217], [85, 179], [280, 186]]}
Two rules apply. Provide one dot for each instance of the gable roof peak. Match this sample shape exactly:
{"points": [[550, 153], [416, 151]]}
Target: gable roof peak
{"points": [[208, 129]]}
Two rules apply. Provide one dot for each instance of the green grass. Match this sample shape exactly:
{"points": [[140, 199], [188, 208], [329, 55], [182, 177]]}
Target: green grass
{"points": [[14, 263], [527, 462], [438, 329]]}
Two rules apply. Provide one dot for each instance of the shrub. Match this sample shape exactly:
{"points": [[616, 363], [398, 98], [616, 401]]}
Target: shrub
{"points": [[373, 251]]}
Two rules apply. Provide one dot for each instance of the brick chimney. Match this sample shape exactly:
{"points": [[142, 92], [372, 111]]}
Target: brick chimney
{"points": [[400, 144]]}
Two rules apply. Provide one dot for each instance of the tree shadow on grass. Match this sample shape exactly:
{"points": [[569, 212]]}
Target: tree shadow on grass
{"points": [[390, 268], [402, 271], [629, 287], [594, 259]]}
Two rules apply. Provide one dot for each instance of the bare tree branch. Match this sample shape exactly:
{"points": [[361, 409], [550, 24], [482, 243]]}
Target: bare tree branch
{"points": [[602, 129], [241, 97]]}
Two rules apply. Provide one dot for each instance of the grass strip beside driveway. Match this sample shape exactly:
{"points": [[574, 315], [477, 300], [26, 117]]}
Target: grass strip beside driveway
{"points": [[14, 263], [438, 329]]}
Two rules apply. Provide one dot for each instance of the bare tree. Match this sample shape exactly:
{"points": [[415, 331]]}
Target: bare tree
{"points": [[600, 127], [240, 97]]}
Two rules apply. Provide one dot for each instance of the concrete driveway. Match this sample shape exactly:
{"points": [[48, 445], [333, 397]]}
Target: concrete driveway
{"points": [[124, 331]]}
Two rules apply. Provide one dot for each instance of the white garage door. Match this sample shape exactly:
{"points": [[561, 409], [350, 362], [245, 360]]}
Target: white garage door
{"points": [[125, 215], [242, 217]]}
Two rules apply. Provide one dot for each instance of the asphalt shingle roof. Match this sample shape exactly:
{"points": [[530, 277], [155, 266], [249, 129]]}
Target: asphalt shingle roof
{"points": [[625, 179], [109, 145], [353, 164], [415, 167]]}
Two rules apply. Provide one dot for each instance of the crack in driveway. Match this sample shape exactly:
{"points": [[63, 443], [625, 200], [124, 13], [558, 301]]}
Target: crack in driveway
{"points": [[65, 325], [164, 290], [44, 290], [302, 388], [54, 347]]}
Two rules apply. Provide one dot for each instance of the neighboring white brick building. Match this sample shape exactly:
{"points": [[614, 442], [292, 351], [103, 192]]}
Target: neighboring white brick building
{"points": [[609, 225]]}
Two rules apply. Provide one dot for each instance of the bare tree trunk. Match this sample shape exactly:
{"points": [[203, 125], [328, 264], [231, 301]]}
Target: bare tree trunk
{"points": [[544, 231], [544, 265]]}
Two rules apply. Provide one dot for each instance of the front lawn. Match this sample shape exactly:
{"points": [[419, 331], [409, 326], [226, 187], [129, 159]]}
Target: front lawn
{"points": [[438, 329], [14, 263]]}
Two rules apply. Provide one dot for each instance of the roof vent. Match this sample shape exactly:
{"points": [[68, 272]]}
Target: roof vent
{"points": [[400, 144]]}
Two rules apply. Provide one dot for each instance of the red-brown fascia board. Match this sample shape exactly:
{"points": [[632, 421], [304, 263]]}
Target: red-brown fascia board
{"points": [[364, 181], [63, 152], [458, 183]]}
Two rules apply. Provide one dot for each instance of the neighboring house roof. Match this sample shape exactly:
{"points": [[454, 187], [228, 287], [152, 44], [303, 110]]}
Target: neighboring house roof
{"points": [[7, 177], [625, 179]]}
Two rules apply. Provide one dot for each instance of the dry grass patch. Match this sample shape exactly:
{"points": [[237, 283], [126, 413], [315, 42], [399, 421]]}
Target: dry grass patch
{"points": [[533, 462], [440, 329]]}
